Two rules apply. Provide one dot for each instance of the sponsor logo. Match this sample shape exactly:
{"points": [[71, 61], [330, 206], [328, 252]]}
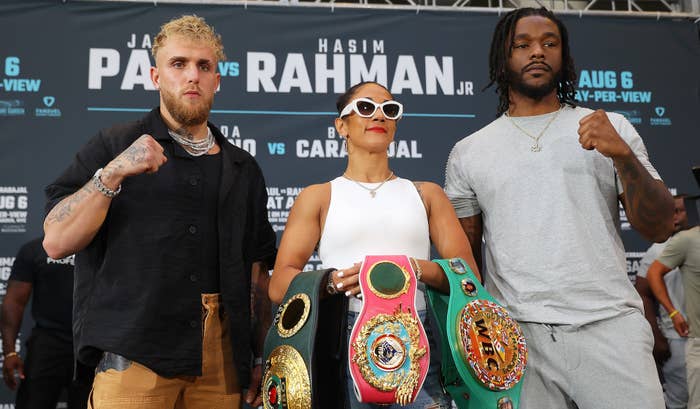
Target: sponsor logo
{"points": [[11, 108], [47, 110], [660, 120], [633, 116]]}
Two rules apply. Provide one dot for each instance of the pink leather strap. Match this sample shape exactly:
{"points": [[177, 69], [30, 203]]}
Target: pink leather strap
{"points": [[389, 353]]}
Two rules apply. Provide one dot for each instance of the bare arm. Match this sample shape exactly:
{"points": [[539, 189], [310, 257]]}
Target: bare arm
{"points": [[72, 223], [647, 202], [661, 348], [473, 228], [445, 233], [13, 306], [301, 233], [655, 277]]}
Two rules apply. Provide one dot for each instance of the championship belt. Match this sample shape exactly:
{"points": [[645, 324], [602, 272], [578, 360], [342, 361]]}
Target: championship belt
{"points": [[483, 348], [298, 357], [388, 353]]}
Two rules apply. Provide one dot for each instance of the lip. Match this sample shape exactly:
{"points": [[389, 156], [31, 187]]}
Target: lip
{"points": [[376, 129], [539, 67], [192, 93]]}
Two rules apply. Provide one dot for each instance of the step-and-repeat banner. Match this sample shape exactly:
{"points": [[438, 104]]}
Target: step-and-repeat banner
{"points": [[69, 69]]}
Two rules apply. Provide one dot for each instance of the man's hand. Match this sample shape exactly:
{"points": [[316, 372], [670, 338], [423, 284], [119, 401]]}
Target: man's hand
{"points": [[13, 364], [680, 325], [596, 132], [661, 350], [254, 395], [145, 155]]}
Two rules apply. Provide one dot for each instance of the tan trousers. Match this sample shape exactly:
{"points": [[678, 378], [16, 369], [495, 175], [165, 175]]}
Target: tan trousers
{"points": [[137, 387]]}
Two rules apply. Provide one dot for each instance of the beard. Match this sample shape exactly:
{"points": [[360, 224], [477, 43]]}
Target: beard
{"points": [[535, 92], [186, 114]]}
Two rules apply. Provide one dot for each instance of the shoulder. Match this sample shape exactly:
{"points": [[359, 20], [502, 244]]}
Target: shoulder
{"points": [[314, 195], [428, 189]]}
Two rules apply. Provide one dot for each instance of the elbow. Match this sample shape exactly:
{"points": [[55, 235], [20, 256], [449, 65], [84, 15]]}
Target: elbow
{"points": [[53, 248]]}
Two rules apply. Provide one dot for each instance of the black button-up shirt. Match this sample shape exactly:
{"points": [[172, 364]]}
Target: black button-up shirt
{"points": [[135, 284]]}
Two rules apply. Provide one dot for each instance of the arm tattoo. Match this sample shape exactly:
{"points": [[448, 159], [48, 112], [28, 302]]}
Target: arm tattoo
{"points": [[648, 203], [135, 154], [66, 207]]}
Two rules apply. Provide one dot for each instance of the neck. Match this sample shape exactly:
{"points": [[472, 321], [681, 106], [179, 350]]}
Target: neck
{"points": [[198, 131], [368, 171], [521, 105]]}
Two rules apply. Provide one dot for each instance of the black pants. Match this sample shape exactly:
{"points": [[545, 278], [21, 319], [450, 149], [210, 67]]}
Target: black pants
{"points": [[48, 370]]}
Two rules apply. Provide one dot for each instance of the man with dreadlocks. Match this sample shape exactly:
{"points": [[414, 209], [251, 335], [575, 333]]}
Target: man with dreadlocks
{"points": [[549, 216]]}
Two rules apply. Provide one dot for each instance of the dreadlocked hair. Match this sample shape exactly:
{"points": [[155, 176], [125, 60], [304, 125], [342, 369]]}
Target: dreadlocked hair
{"points": [[501, 48]]}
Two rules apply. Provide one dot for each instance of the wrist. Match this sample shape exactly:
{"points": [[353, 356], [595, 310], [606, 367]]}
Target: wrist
{"points": [[10, 354], [99, 182], [330, 285], [673, 313], [416, 268], [110, 176]]}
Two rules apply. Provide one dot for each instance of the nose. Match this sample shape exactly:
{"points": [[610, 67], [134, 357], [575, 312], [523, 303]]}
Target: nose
{"points": [[192, 73], [378, 115], [537, 51]]}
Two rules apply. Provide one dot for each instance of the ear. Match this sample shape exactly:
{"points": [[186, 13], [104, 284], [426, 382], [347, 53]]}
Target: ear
{"points": [[155, 78], [340, 127]]}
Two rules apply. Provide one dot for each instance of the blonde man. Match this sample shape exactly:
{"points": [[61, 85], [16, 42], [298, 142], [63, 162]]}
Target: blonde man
{"points": [[169, 225]]}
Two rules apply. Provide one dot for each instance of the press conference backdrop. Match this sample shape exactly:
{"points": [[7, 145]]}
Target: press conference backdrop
{"points": [[67, 70]]}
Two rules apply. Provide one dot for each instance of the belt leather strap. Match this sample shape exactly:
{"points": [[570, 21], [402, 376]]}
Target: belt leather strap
{"points": [[483, 349], [388, 353], [302, 364]]}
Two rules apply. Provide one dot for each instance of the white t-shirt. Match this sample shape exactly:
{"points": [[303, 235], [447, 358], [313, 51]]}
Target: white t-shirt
{"points": [[550, 218]]}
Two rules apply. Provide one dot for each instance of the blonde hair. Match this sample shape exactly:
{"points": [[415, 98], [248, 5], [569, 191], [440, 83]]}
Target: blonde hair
{"points": [[191, 27]]}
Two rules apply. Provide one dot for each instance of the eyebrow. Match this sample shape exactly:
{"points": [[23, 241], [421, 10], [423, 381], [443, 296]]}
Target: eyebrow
{"points": [[523, 36], [180, 58]]}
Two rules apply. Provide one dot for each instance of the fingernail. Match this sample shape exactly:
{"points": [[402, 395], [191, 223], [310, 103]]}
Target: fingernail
{"points": [[348, 293], [339, 285], [359, 295], [340, 273]]}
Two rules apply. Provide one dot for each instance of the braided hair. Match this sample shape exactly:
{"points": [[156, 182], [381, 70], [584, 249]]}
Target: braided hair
{"points": [[501, 51]]}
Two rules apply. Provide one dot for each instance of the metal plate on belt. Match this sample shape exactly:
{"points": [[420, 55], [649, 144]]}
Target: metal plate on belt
{"points": [[492, 343], [286, 383]]}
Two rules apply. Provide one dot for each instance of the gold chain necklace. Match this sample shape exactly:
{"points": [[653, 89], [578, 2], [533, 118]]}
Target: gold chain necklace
{"points": [[372, 191], [536, 147]]}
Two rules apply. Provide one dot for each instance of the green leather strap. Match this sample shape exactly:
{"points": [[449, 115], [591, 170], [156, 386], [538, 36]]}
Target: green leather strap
{"points": [[295, 329], [459, 379]]}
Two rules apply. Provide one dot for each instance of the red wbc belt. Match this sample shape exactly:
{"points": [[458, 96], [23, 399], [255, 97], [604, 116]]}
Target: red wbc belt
{"points": [[388, 352]]}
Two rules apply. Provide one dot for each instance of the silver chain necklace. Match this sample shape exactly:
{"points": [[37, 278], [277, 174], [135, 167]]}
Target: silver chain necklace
{"points": [[194, 148], [372, 191], [536, 147]]}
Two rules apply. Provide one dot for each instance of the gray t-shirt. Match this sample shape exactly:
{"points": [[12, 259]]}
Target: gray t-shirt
{"points": [[550, 218], [674, 284], [683, 251]]}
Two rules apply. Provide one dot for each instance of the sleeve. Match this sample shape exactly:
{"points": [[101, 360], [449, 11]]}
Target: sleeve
{"points": [[261, 240], [24, 267], [635, 142], [91, 157], [457, 185], [675, 251], [646, 260]]}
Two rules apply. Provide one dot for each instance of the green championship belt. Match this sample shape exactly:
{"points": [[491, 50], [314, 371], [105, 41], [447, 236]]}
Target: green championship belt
{"points": [[298, 358], [483, 348]]}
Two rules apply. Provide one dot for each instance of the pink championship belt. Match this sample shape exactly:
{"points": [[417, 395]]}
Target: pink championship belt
{"points": [[388, 352]]}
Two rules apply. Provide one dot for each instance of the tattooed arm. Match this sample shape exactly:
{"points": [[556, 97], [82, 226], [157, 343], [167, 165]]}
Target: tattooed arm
{"points": [[647, 201], [74, 221]]}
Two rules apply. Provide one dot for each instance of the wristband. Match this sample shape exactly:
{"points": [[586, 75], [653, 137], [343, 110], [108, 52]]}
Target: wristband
{"points": [[102, 188], [673, 313], [9, 354], [418, 269]]}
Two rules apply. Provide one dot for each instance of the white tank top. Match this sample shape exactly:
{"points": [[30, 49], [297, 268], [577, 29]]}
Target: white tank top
{"points": [[357, 225]]}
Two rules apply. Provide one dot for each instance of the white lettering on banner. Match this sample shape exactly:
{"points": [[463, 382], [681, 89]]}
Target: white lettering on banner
{"points": [[233, 135], [14, 203], [327, 148], [138, 71], [145, 42], [279, 201], [352, 46], [6, 267], [103, 62], [602, 85], [66, 260], [437, 77]]}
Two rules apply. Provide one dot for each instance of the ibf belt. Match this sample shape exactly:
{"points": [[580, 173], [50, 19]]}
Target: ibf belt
{"points": [[483, 348], [298, 357], [388, 353]]}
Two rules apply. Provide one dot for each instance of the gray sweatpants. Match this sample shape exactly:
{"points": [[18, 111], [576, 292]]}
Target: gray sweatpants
{"points": [[603, 365], [692, 362]]}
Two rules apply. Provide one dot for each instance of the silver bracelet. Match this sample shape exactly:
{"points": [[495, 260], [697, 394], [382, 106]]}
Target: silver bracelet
{"points": [[102, 188]]}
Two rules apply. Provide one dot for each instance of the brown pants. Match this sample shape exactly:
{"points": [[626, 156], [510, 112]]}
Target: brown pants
{"points": [[137, 387]]}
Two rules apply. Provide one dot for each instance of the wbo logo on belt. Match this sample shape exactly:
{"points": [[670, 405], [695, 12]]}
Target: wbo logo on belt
{"points": [[483, 349], [388, 352]]}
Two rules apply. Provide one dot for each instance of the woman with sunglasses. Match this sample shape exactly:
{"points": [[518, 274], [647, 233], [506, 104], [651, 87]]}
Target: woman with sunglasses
{"points": [[370, 210]]}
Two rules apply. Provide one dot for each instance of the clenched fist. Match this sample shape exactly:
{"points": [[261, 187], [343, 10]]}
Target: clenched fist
{"points": [[145, 155], [596, 132]]}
